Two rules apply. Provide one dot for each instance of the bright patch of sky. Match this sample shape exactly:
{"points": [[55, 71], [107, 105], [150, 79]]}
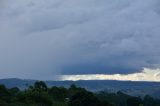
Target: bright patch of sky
{"points": [[145, 75]]}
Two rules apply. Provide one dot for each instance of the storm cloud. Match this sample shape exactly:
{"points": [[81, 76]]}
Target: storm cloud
{"points": [[42, 38]]}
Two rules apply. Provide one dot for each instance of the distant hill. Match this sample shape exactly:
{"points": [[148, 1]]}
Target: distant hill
{"points": [[130, 87]]}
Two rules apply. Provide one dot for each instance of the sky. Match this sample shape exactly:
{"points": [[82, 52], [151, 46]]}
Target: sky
{"points": [[96, 39], [145, 75]]}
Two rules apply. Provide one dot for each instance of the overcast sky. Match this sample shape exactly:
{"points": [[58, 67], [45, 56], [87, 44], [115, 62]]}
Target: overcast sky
{"points": [[43, 38]]}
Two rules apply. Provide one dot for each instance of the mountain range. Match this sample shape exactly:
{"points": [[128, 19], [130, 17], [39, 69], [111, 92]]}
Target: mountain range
{"points": [[136, 88]]}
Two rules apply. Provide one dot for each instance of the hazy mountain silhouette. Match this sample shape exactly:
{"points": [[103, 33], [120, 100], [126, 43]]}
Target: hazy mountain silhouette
{"points": [[136, 88]]}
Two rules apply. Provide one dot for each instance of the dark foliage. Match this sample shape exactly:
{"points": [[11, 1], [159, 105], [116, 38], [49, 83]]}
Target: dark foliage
{"points": [[40, 95]]}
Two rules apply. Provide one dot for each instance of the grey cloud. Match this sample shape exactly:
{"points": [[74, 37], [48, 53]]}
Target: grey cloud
{"points": [[42, 38]]}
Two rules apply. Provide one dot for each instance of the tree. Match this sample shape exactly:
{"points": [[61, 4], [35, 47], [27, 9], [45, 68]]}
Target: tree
{"points": [[83, 98], [4, 94], [41, 98], [134, 101], [3, 103], [148, 101], [40, 85], [13, 91], [58, 93]]}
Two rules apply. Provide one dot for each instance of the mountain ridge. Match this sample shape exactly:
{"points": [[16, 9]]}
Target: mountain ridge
{"points": [[136, 88]]}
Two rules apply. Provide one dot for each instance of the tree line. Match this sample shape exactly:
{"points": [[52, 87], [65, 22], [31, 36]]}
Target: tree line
{"points": [[41, 95]]}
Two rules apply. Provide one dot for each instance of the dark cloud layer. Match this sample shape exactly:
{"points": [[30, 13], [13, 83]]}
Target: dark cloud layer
{"points": [[42, 38]]}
